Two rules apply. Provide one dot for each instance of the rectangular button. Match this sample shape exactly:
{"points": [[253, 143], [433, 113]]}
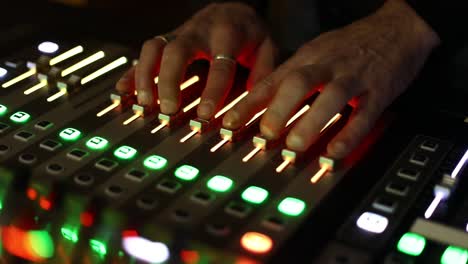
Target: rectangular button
{"points": [[50, 145], [77, 154], [135, 175], [106, 164], [24, 136], [43, 125], [429, 145], [3, 127], [385, 204], [419, 159], [408, 174], [397, 189]]}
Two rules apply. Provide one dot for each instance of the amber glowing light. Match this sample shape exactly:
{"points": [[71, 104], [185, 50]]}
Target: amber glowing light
{"points": [[256, 242]]}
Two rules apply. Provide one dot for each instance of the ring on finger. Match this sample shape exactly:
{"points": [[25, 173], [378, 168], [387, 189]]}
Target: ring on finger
{"points": [[166, 38], [225, 57]]}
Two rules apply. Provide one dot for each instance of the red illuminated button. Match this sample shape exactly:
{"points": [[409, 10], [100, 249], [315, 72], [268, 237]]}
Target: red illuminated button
{"points": [[256, 242]]}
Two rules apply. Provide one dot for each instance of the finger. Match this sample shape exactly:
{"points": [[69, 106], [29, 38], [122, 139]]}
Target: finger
{"points": [[146, 69], [126, 84], [226, 41], [295, 87], [264, 63], [331, 100], [175, 59], [258, 98], [359, 125]]}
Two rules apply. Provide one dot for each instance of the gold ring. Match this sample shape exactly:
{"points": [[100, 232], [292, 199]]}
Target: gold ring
{"points": [[166, 38], [225, 57]]}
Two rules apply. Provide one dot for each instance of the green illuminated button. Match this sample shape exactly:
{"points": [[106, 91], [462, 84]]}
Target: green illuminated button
{"points": [[97, 143], [70, 134], [3, 109], [186, 172], [98, 247], [411, 244], [69, 234], [291, 206], [219, 183], [255, 195], [20, 117], [155, 162], [454, 255], [125, 152]]}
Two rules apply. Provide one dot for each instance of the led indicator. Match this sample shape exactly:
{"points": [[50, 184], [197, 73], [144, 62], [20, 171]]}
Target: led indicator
{"points": [[411, 244], [256, 242], [48, 47], [20, 117], [69, 234], [70, 134], [155, 162], [297, 115], [125, 152], [255, 195], [109, 67], [186, 172], [98, 247], [454, 255], [145, 250], [97, 143], [372, 222], [66, 55], [291, 206], [19, 78], [231, 104], [96, 56], [35, 87], [320, 173], [220, 183], [31, 193], [460, 165], [3, 72], [434, 204], [3, 109], [106, 110]]}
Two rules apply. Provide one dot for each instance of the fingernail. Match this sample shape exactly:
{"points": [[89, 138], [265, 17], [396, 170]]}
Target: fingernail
{"points": [[168, 106], [144, 98], [231, 119], [267, 132], [338, 149], [205, 110], [295, 142]]}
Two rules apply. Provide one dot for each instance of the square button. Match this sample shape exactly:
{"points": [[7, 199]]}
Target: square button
{"points": [[155, 162], [238, 209], [70, 134], [125, 152], [106, 164], [202, 198], [397, 189], [408, 174], [169, 186], [77, 154], [50, 145], [97, 143], [255, 195], [411, 244], [3, 127], [136, 175], [419, 159], [43, 125], [219, 183], [3, 109], [429, 145], [385, 204], [372, 222], [24, 136], [291, 206], [186, 172], [20, 117]]}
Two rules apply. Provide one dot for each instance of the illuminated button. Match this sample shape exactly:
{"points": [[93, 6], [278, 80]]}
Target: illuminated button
{"points": [[20, 117], [372, 222], [97, 143], [155, 162], [70, 134], [69, 234], [186, 172], [43, 125], [3, 127], [291, 206], [219, 183], [256, 242], [48, 47], [98, 247], [255, 195], [50, 145], [411, 244], [454, 255], [24, 136], [125, 152], [3, 109], [3, 72]]}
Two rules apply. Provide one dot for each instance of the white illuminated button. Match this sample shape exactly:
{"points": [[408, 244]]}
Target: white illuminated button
{"points": [[372, 222], [3, 72], [48, 47], [146, 250]]}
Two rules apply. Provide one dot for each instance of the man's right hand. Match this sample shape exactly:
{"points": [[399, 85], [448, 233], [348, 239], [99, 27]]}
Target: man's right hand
{"points": [[232, 30]]}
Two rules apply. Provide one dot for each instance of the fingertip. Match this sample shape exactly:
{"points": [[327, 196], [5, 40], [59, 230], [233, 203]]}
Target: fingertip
{"points": [[267, 131], [338, 149], [144, 97], [231, 120], [295, 142], [169, 106], [205, 110]]}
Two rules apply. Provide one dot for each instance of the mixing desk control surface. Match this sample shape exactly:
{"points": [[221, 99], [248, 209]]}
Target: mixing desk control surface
{"points": [[89, 176]]}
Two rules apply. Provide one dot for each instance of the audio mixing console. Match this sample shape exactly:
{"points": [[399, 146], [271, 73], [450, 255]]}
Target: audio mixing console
{"points": [[89, 176]]}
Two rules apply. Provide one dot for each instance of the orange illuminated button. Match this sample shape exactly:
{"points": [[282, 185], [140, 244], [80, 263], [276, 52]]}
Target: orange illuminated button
{"points": [[256, 242]]}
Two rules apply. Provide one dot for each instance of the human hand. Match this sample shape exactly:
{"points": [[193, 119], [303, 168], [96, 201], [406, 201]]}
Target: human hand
{"points": [[367, 64], [230, 29]]}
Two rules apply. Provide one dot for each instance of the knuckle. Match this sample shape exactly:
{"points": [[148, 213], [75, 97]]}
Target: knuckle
{"points": [[220, 66], [175, 50], [295, 80], [150, 44]]}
